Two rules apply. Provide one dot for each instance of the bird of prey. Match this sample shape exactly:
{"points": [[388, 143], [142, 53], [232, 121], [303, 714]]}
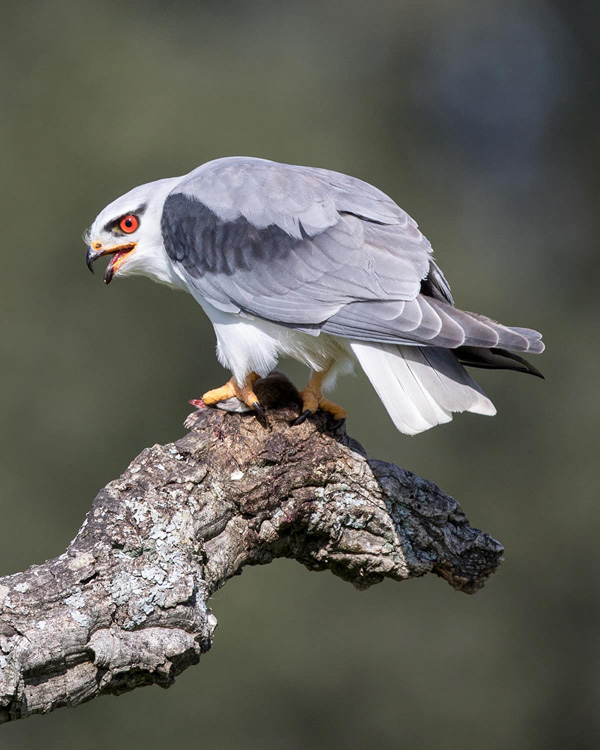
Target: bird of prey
{"points": [[314, 265]]}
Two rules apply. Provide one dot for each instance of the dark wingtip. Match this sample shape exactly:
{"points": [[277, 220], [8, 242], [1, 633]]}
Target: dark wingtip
{"points": [[495, 358], [528, 368]]}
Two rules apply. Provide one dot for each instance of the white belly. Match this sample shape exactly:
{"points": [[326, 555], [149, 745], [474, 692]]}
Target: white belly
{"points": [[248, 344]]}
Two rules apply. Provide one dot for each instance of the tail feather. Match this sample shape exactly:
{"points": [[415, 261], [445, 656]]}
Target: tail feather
{"points": [[420, 386]]}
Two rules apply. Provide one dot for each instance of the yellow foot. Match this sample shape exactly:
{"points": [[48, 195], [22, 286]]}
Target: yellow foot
{"points": [[230, 390], [244, 393], [312, 399]]}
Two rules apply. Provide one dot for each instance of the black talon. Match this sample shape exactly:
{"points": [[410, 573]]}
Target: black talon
{"points": [[303, 417], [260, 413], [338, 423]]}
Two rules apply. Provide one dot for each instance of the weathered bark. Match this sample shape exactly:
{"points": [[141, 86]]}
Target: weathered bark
{"points": [[126, 604]]}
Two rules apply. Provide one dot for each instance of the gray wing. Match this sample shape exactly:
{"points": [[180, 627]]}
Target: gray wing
{"points": [[428, 321], [290, 244], [318, 251]]}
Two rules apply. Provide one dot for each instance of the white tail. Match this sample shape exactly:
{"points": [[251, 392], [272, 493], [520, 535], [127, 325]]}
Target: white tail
{"points": [[420, 386]]}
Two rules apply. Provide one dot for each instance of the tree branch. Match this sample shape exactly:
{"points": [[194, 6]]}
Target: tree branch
{"points": [[126, 604]]}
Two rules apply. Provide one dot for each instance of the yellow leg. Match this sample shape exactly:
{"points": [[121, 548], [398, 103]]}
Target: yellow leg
{"points": [[313, 399], [245, 393]]}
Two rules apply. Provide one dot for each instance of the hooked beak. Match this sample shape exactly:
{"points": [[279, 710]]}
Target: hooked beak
{"points": [[118, 252]]}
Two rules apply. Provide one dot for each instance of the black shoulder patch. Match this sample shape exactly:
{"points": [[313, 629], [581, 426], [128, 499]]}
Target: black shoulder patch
{"points": [[205, 244]]}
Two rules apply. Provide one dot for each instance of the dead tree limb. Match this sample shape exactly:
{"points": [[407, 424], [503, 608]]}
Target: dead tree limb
{"points": [[126, 604]]}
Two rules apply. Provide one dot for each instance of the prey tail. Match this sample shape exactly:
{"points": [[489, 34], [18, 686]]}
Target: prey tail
{"points": [[420, 386], [495, 359]]}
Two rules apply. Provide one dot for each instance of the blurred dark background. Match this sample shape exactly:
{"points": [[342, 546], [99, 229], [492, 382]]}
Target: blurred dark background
{"points": [[482, 120]]}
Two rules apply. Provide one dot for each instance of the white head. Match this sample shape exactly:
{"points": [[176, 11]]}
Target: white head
{"points": [[129, 230]]}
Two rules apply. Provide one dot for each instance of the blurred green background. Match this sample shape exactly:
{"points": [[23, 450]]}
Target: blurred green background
{"points": [[481, 120]]}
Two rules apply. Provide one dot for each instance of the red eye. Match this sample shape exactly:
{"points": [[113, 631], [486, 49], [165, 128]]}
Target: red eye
{"points": [[129, 223]]}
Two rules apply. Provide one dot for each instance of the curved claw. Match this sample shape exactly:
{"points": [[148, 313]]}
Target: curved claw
{"points": [[303, 417], [261, 413], [338, 423]]}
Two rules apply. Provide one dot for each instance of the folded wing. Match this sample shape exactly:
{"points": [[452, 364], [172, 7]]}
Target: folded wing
{"points": [[318, 251], [292, 245]]}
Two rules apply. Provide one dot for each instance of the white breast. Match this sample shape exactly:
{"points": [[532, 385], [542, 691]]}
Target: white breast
{"points": [[247, 344]]}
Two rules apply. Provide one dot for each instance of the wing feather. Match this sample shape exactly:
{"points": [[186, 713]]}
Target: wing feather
{"points": [[439, 325], [246, 233], [319, 251]]}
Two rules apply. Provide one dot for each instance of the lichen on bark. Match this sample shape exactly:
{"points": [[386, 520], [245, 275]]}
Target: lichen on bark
{"points": [[126, 604]]}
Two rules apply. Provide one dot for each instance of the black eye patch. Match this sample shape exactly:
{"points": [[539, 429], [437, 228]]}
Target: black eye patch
{"points": [[113, 226]]}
